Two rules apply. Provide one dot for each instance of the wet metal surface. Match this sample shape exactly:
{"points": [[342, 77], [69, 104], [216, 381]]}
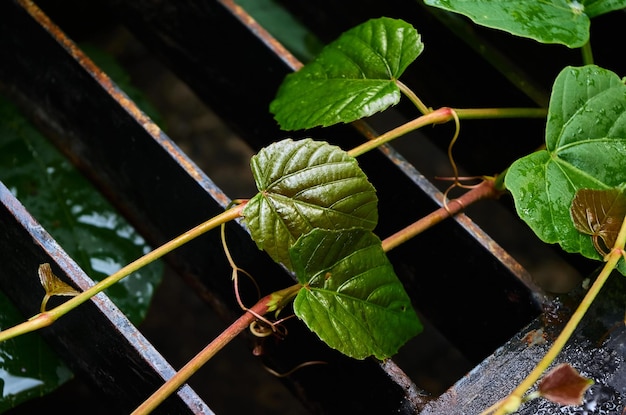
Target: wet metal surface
{"points": [[597, 350], [131, 366]]}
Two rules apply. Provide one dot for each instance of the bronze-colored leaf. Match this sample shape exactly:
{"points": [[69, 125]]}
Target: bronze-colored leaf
{"points": [[564, 385], [599, 213], [53, 285]]}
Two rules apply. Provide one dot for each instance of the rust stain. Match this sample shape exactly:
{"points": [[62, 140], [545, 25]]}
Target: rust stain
{"points": [[502, 255], [199, 176], [262, 34], [118, 95], [101, 77], [535, 337]]}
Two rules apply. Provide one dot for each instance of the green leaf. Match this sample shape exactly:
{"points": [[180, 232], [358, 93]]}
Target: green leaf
{"points": [[353, 77], [352, 299], [595, 8], [585, 149], [553, 21], [303, 185]]}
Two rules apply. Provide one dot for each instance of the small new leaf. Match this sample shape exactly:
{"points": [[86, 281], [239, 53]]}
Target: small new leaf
{"points": [[53, 285], [564, 385], [599, 213]]}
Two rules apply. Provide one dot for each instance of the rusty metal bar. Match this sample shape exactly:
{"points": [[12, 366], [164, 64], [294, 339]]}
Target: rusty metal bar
{"points": [[97, 342]]}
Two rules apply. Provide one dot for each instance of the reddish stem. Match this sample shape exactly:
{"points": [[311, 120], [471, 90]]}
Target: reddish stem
{"points": [[484, 190], [176, 381]]}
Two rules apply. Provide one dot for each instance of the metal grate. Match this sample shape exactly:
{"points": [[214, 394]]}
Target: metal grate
{"points": [[478, 300]]}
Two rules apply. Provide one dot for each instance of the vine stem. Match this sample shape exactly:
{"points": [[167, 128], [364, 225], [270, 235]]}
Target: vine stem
{"points": [[266, 304], [181, 376], [512, 402], [483, 113], [277, 300], [587, 54], [48, 317], [408, 92], [484, 190], [443, 115]]}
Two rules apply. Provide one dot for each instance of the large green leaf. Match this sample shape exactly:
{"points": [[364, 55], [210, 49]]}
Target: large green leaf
{"points": [[551, 21], [353, 77], [352, 299], [303, 185], [585, 149]]}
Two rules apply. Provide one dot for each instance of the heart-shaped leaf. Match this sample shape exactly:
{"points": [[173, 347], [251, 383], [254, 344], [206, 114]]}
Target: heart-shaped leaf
{"points": [[353, 77], [599, 213], [555, 21], [564, 385], [352, 299], [585, 148], [303, 185]]}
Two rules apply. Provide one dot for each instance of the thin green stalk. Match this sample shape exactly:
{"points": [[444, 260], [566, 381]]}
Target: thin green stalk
{"points": [[512, 402], [587, 54], [408, 92], [434, 117], [443, 115], [483, 113], [47, 318]]}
